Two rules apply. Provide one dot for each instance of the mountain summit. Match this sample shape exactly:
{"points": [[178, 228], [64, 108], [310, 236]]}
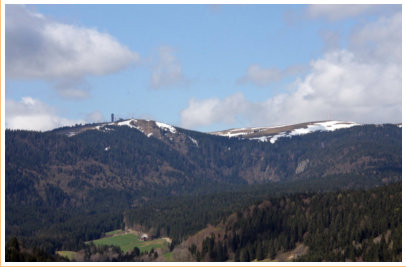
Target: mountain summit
{"points": [[271, 134]]}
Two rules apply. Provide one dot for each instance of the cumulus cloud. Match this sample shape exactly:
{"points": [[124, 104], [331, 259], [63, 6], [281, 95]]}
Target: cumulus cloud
{"points": [[357, 84], [342, 86], [380, 40], [40, 48], [339, 86], [168, 70], [208, 111], [32, 114], [265, 76]]}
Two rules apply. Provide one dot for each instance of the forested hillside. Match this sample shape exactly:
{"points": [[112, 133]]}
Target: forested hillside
{"points": [[53, 169], [62, 191], [338, 226]]}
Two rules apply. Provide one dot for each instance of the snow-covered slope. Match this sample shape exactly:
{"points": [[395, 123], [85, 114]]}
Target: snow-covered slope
{"points": [[147, 127], [150, 128], [165, 131], [272, 134]]}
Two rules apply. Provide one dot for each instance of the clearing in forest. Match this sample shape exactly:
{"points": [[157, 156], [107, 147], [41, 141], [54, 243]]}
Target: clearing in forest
{"points": [[128, 241]]}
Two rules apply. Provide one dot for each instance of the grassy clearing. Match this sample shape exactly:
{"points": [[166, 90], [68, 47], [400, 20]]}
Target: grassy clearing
{"points": [[115, 232], [152, 244], [66, 253], [127, 242], [168, 256]]}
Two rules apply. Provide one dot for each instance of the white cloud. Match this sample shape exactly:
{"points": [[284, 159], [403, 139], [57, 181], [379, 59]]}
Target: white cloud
{"points": [[380, 40], [213, 110], [357, 84], [167, 71], [265, 76], [40, 48], [338, 87], [340, 11], [32, 114]]}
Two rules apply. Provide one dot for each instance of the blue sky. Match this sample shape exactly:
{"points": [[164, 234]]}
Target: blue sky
{"points": [[203, 67]]}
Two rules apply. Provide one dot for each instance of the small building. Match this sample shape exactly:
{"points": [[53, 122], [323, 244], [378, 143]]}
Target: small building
{"points": [[144, 237]]}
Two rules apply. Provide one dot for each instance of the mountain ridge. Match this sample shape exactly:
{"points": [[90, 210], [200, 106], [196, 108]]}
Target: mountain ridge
{"points": [[141, 153], [71, 188], [272, 133], [265, 133]]}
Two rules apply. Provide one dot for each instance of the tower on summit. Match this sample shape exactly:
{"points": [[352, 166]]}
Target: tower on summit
{"points": [[112, 117]]}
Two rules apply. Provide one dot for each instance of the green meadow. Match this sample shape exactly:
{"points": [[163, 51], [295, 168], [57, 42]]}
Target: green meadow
{"points": [[128, 241], [66, 253], [115, 232]]}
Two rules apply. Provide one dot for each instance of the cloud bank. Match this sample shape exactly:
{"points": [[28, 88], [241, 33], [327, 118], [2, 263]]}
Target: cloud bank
{"points": [[40, 48], [32, 114], [362, 83]]}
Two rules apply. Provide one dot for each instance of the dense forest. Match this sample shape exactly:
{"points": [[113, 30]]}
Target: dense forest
{"points": [[180, 216], [62, 191], [338, 226]]}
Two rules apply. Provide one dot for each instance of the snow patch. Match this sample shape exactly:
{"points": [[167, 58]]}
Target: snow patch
{"points": [[70, 134], [194, 141], [271, 138], [323, 126], [165, 127], [230, 134], [277, 136], [311, 128], [260, 139], [127, 123], [240, 132], [103, 128], [107, 148], [149, 135]]}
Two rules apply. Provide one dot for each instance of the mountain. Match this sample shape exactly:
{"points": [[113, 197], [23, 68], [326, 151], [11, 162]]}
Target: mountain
{"points": [[272, 134], [140, 154], [71, 184], [144, 156]]}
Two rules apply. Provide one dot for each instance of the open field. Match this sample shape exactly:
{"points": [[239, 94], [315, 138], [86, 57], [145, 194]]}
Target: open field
{"points": [[66, 253], [115, 232], [128, 241]]}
